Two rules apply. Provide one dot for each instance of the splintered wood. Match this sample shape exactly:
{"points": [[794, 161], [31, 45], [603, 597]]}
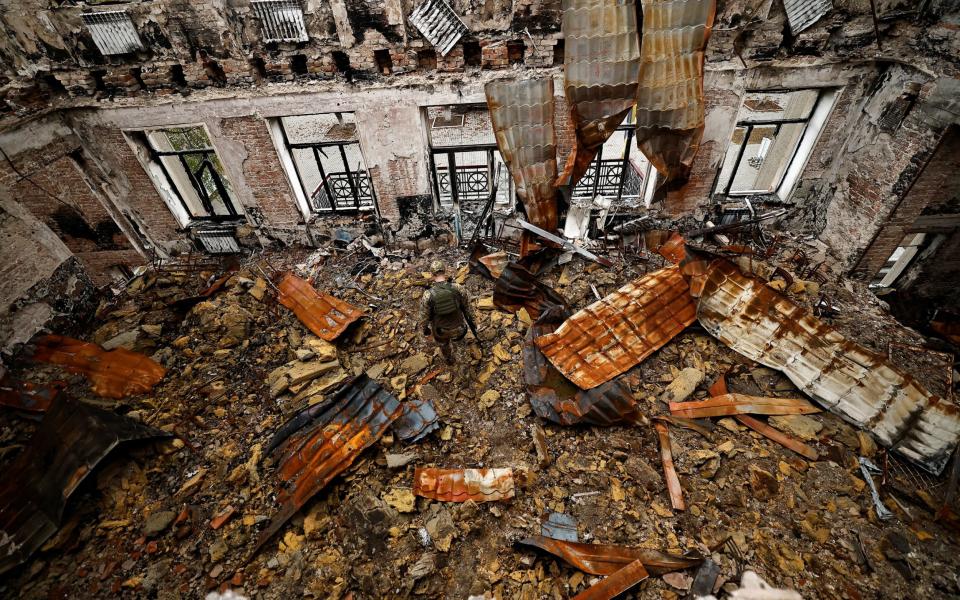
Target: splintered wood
{"points": [[669, 471]]}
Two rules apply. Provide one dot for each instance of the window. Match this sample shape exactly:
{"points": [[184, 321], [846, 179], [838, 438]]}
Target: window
{"points": [[899, 260], [113, 32], [189, 169], [772, 140], [282, 20], [626, 177], [322, 157]]}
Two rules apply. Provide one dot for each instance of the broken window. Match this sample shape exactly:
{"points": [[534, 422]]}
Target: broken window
{"points": [[772, 140], [282, 20], [113, 32], [899, 260], [437, 22], [184, 164], [620, 171], [322, 157]]}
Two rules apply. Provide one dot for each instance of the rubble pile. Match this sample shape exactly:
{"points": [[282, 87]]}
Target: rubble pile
{"points": [[364, 466]]}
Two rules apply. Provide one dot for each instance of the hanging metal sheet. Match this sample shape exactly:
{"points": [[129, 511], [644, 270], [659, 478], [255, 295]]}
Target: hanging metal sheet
{"points": [[328, 443], [604, 559], [615, 333], [437, 22], [113, 374], [327, 317], [861, 386], [670, 105], [460, 485], [68, 444], [801, 14], [601, 65], [521, 113], [556, 399]]}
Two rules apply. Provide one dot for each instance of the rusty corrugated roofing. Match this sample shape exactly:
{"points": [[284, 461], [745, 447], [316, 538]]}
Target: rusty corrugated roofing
{"points": [[417, 419], [615, 333], [70, 441], [438, 22], [861, 386], [27, 396], [670, 106], [604, 559], [360, 412], [517, 288], [113, 374], [460, 485], [555, 398], [521, 113], [327, 317], [741, 404], [601, 71]]}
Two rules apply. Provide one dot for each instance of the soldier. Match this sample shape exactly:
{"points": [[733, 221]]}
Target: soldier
{"points": [[446, 312]]}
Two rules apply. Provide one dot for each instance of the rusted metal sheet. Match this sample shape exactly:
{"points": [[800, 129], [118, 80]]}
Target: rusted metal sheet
{"points": [[601, 70], [861, 386], [314, 450], [615, 333], [614, 585], [741, 404], [669, 470], [327, 317], [27, 396], [417, 419], [670, 105], [495, 263], [113, 374], [603, 559], [555, 398], [521, 113], [518, 288], [68, 444], [460, 485]]}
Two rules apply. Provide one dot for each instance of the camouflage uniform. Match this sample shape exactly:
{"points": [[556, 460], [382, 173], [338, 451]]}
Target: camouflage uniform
{"points": [[446, 310]]}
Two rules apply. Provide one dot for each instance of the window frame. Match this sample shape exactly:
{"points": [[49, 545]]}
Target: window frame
{"points": [[819, 113], [203, 196], [647, 185]]}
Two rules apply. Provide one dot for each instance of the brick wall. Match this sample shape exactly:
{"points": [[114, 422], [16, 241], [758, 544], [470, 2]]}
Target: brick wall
{"points": [[262, 170]]}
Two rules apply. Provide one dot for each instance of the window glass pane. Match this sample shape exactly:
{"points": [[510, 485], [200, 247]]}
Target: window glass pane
{"points": [[765, 158], [181, 179], [181, 138], [779, 106], [320, 128]]}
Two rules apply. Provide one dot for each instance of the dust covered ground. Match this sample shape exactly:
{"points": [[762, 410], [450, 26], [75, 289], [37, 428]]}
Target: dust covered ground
{"points": [[140, 525]]}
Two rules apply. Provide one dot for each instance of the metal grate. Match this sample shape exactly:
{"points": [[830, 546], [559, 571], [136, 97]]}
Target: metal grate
{"points": [[804, 13], [218, 241], [437, 22], [282, 20], [113, 32]]}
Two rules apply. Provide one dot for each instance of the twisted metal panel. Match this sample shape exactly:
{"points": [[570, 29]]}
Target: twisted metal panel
{"points": [[327, 317], [521, 113], [460, 485], [601, 71]]}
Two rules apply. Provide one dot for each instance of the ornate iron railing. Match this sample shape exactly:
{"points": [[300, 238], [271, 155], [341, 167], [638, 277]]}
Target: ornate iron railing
{"points": [[340, 196], [473, 183], [611, 171]]}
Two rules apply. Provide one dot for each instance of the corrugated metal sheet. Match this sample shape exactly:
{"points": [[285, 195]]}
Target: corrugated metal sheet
{"points": [[113, 374], [518, 288], [741, 404], [437, 22], [282, 20], [615, 333], [861, 386], [218, 241], [327, 317], [521, 113], [804, 13], [603, 559], [69, 443], [27, 396], [328, 443], [601, 65], [460, 485], [416, 421], [113, 32], [555, 398], [670, 106]]}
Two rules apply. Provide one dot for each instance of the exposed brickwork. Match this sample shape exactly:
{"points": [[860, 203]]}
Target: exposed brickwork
{"points": [[262, 170]]}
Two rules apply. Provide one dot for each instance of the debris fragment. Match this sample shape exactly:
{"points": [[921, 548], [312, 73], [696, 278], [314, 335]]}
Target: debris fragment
{"points": [[418, 419], [778, 436], [799, 425], [326, 316], [868, 468], [70, 441], [704, 580], [614, 585], [739, 404], [603, 559], [113, 374], [669, 471], [460, 485], [682, 386], [560, 526], [861, 386], [518, 288], [544, 457], [612, 335], [27, 396], [753, 587]]}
